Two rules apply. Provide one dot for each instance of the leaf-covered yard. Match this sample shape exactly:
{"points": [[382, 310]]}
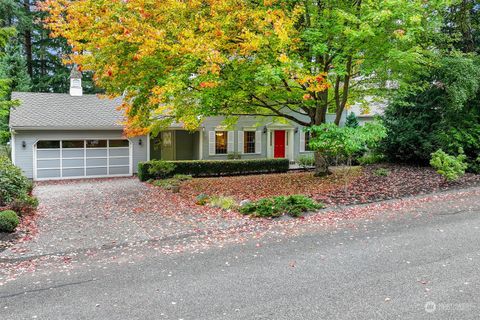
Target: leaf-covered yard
{"points": [[364, 185]]}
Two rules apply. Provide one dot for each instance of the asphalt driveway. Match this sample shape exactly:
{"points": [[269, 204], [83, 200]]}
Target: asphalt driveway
{"points": [[417, 259], [75, 216]]}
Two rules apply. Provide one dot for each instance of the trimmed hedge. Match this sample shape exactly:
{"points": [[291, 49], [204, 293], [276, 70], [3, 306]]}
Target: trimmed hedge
{"points": [[205, 168]]}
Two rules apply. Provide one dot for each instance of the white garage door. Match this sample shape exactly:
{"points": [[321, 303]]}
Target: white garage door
{"points": [[68, 159]]}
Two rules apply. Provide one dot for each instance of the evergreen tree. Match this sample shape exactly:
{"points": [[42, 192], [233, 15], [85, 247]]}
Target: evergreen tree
{"points": [[41, 54], [5, 34], [14, 67], [352, 121]]}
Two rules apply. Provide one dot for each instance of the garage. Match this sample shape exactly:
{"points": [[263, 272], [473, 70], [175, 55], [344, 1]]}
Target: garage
{"points": [[57, 159], [61, 136]]}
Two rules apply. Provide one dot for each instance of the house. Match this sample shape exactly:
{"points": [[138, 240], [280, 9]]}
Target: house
{"points": [[67, 136], [369, 110]]}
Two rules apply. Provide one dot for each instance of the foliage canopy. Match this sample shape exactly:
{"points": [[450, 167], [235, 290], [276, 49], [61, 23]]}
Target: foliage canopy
{"points": [[293, 59]]}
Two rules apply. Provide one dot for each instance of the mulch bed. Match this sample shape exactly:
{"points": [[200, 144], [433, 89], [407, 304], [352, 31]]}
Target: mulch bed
{"points": [[364, 186]]}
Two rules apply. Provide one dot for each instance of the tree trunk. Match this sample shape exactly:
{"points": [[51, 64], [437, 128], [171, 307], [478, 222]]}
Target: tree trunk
{"points": [[321, 165]]}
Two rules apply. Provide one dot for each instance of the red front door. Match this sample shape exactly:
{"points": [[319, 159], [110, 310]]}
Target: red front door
{"points": [[279, 147]]}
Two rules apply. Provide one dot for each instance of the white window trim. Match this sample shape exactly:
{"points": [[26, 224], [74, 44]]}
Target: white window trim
{"points": [[219, 129], [255, 146]]}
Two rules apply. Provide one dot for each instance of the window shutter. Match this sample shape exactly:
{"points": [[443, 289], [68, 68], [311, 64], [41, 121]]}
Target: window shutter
{"points": [[211, 142], [231, 142], [241, 135], [258, 141], [302, 141]]}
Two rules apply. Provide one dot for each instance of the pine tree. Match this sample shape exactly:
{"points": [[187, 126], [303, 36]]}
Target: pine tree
{"points": [[13, 67], [352, 121]]}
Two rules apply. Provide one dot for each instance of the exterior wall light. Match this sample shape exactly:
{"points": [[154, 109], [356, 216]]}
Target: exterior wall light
{"points": [[24, 144], [265, 129], [140, 142]]}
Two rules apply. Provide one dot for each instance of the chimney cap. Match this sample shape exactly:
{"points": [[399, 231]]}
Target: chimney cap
{"points": [[75, 74]]}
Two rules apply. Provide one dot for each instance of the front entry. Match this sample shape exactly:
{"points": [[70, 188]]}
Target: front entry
{"points": [[167, 145], [279, 144]]}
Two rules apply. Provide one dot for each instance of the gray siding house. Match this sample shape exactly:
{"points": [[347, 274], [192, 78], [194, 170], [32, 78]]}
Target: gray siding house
{"points": [[68, 136]]}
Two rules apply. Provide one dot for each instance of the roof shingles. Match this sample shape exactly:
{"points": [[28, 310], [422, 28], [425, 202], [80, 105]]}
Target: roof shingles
{"points": [[57, 110]]}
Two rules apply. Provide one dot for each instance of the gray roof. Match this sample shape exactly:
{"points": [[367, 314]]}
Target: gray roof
{"points": [[62, 111]]}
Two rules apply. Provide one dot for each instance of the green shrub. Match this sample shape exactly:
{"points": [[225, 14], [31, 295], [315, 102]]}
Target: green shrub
{"points": [[225, 203], [204, 168], [5, 151], [161, 169], [166, 183], [13, 183], [371, 158], [440, 116], [381, 172], [277, 206], [182, 177], [450, 167], [306, 161], [8, 221], [234, 156], [24, 204]]}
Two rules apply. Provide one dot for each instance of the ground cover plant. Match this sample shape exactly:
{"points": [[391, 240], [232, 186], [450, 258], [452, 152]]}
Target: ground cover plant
{"points": [[273, 207], [450, 167]]}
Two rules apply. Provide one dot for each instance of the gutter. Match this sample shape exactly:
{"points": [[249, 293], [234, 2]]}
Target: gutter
{"points": [[19, 128]]}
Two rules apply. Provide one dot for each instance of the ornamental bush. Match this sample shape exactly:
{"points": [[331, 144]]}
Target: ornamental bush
{"points": [[161, 169], [204, 168], [225, 203], [8, 221], [306, 161], [450, 167], [13, 184], [24, 204], [274, 207]]}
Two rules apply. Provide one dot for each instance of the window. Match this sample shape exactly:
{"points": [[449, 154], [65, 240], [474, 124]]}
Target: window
{"points": [[167, 139], [48, 144], [307, 141], [221, 140], [78, 144], [249, 142], [118, 143], [96, 143]]}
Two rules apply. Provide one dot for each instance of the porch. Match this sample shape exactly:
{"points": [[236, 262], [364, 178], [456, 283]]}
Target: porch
{"points": [[176, 145]]}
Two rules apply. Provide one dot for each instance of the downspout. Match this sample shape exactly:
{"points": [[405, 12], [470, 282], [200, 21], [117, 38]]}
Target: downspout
{"points": [[12, 145]]}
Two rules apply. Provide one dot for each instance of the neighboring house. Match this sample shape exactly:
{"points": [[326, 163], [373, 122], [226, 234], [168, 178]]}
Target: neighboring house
{"points": [[66, 136], [367, 111]]}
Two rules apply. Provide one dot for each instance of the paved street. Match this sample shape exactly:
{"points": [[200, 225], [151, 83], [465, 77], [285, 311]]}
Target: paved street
{"points": [[415, 260]]}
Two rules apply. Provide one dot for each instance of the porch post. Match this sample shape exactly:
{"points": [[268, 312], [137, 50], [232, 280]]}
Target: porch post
{"points": [[291, 146], [269, 146], [148, 146], [200, 143]]}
